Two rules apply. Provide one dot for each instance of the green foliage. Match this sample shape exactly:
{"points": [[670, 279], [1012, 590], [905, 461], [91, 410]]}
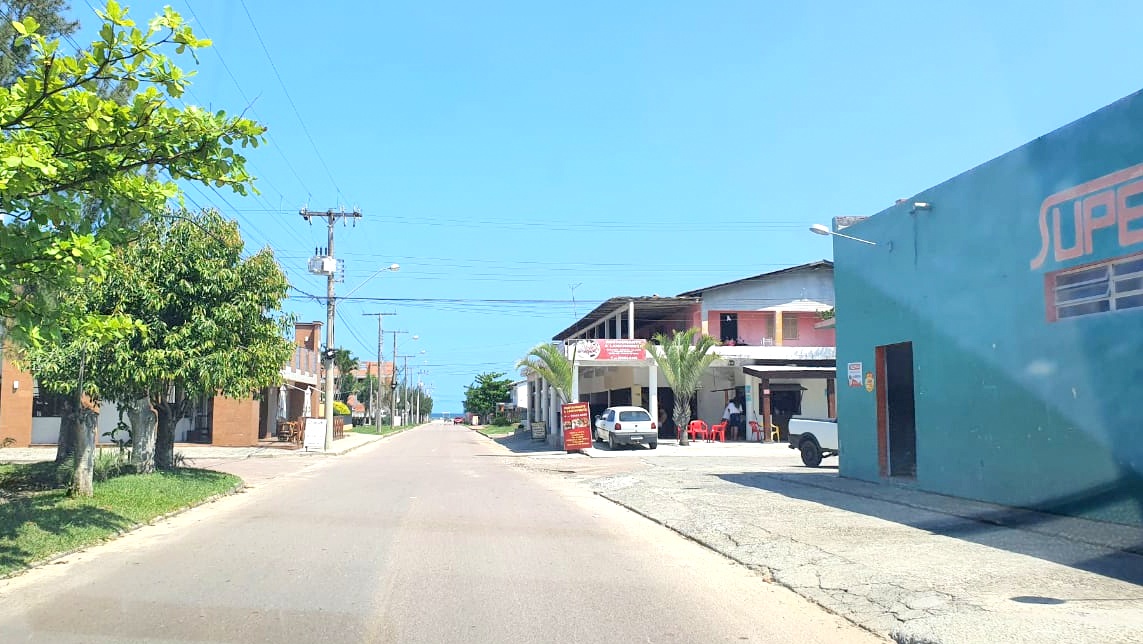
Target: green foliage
{"points": [[112, 463], [207, 315], [489, 389], [340, 408], [827, 314], [76, 160], [500, 420], [683, 358], [549, 362], [17, 57]]}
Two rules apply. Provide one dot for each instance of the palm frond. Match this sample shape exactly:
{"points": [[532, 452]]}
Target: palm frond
{"points": [[549, 362]]}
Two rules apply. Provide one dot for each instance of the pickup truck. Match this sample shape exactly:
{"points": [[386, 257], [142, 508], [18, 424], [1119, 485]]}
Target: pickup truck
{"points": [[815, 439]]}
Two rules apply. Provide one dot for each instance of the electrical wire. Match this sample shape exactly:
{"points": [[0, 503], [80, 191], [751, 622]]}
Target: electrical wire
{"points": [[289, 98]]}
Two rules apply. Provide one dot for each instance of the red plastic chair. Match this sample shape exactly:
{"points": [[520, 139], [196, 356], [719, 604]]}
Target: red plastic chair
{"points": [[698, 428], [718, 430], [755, 430]]}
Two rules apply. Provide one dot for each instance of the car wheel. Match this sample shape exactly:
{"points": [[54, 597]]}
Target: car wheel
{"points": [[653, 444], [811, 453], [610, 441]]}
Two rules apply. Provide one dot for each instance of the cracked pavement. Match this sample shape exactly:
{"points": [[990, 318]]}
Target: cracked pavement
{"points": [[904, 564]]}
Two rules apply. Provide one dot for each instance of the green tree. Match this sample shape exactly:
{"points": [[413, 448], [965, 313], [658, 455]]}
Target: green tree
{"points": [[346, 363], [17, 52], [683, 357], [208, 325], [76, 157], [549, 362], [488, 390]]}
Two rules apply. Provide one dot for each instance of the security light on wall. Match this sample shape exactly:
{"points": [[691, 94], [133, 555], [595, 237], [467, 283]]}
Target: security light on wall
{"points": [[921, 205], [824, 230]]}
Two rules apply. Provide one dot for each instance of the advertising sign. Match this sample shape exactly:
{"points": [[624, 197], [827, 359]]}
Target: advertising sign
{"points": [[538, 430], [609, 350], [577, 426], [855, 374], [314, 438]]}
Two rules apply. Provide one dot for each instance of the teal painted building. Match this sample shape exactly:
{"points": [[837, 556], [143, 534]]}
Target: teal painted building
{"points": [[993, 336]]}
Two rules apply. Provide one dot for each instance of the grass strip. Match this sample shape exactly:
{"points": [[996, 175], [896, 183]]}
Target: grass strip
{"points": [[35, 525]]}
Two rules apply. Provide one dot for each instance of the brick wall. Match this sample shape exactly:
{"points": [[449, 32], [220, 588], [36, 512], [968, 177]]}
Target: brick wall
{"points": [[15, 405], [234, 422]]}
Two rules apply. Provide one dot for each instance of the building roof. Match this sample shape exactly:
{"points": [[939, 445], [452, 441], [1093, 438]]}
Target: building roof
{"points": [[647, 308], [812, 266], [785, 371]]}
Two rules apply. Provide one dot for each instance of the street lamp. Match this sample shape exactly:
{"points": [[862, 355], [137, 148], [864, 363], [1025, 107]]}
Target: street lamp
{"points": [[824, 230]]}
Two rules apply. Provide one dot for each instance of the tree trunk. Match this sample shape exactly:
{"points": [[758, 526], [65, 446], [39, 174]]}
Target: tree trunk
{"points": [[682, 419], [165, 442], [144, 423], [82, 480], [65, 445]]}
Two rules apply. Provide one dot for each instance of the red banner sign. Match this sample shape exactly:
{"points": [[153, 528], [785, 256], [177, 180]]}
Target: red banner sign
{"points": [[610, 350], [577, 426]]}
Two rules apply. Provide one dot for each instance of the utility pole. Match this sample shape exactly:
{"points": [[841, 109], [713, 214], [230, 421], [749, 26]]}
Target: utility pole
{"points": [[327, 265], [380, 343], [393, 382]]}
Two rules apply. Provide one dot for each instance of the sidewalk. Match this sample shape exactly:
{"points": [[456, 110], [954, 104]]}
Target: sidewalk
{"points": [[913, 566], [195, 452]]}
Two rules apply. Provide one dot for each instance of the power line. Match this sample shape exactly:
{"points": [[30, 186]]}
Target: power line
{"points": [[249, 103], [289, 98]]}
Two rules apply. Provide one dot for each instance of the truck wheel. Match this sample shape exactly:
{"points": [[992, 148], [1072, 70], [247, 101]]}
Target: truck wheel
{"points": [[811, 453], [653, 444]]}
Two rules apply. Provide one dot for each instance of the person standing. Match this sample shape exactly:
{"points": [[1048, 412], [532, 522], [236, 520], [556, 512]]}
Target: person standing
{"points": [[730, 416]]}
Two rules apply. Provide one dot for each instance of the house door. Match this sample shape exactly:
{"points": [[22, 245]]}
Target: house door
{"points": [[897, 422]]}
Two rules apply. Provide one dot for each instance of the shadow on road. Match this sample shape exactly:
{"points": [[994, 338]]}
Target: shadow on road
{"points": [[1107, 549], [522, 444]]}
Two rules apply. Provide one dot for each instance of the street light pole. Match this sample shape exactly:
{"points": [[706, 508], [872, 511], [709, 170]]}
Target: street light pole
{"points": [[380, 343]]}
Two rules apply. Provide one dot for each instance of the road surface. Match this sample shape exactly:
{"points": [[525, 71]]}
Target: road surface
{"points": [[429, 536]]}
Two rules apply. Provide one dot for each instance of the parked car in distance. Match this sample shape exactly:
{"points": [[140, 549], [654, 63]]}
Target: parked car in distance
{"points": [[458, 420], [815, 439], [626, 426]]}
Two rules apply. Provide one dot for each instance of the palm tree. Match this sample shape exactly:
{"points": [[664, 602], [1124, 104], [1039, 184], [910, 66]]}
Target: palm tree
{"points": [[549, 362], [683, 360]]}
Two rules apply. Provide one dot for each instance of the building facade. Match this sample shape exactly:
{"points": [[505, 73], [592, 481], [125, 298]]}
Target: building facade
{"points": [[992, 338], [767, 324]]}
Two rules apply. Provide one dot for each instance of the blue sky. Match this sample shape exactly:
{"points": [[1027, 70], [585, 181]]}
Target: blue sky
{"points": [[515, 150]]}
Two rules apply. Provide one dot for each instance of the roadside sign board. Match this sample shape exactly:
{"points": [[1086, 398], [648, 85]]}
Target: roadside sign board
{"points": [[538, 430], [314, 438], [577, 426]]}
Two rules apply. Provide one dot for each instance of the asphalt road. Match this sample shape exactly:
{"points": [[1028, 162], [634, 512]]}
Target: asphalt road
{"points": [[430, 536]]}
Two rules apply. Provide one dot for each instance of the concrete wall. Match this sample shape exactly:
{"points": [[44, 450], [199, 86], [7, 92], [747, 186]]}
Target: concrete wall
{"points": [[234, 422], [1011, 407], [778, 290], [756, 326]]}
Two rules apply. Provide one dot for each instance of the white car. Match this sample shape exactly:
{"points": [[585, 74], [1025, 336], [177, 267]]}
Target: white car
{"points": [[626, 426], [815, 439]]}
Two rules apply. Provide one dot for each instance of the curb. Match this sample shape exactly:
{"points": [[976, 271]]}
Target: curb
{"points": [[240, 486], [763, 571]]}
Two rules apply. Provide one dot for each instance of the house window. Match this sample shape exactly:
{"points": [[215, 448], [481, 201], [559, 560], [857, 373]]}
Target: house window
{"points": [[1113, 285], [727, 326], [47, 403], [789, 326]]}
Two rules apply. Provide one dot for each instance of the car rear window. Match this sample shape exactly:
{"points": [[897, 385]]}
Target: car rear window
{"points": [[634, 416]]}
